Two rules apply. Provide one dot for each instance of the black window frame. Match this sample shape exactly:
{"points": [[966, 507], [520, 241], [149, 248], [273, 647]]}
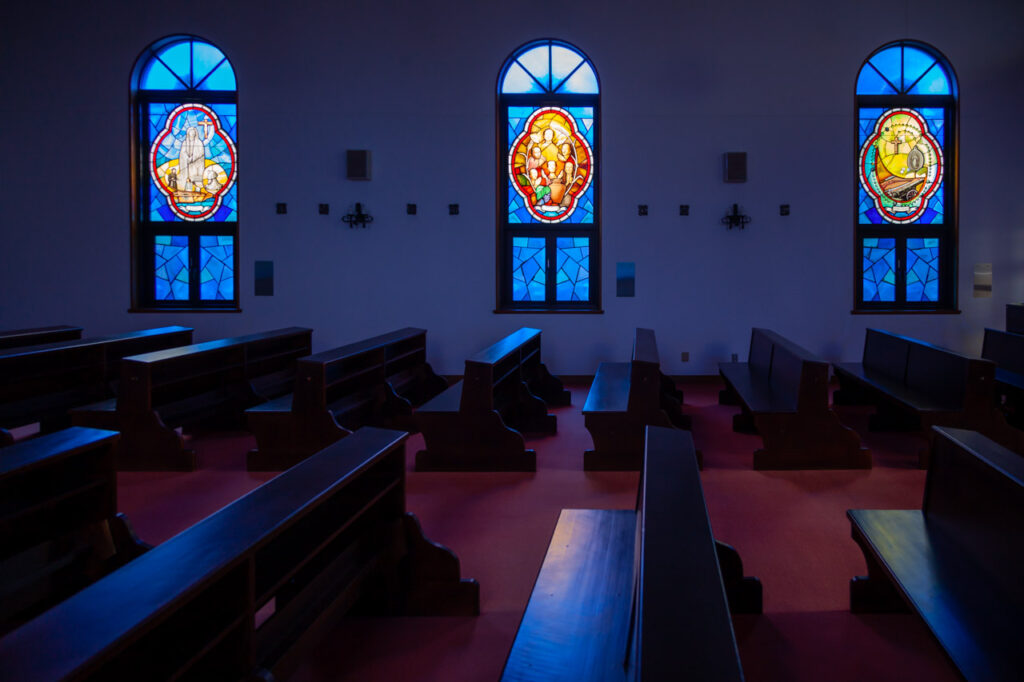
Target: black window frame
{"points": [[506, 231], [143, 230], [948, 231]]}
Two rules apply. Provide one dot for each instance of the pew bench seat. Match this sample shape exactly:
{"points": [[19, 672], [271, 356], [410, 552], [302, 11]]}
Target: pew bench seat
{"points": [[910, 398], [956, 560], [755, 389], [624, 398]]}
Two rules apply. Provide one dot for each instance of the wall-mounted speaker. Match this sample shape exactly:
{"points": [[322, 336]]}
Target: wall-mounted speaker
{"points": [[357, 164], [735, 166]]}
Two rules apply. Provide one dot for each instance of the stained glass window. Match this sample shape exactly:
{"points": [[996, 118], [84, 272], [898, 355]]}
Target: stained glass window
{"points": [[906, 108], [185, 159], [549, 165]]}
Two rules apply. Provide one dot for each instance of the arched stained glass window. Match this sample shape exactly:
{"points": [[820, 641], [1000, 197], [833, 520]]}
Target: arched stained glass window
{"points": [[548, 242], [185, 166], [905, 222]]}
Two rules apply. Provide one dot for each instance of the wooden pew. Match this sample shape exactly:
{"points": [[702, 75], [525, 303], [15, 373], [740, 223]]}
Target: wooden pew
{"points": [[475, 424], [1006, 350], [783, 391], [373, 382], [1015, 318], [19, 338], [915, 385], [246, 592], [59, 526], [624, 398], [637, 595], [956, 561], [184, 387], [42, 383]]}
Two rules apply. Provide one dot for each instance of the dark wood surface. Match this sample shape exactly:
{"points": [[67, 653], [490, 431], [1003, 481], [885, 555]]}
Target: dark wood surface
{"points": [[915, 385], [1006, 349], [955, 561], [189, 386], [59, 526], [477, 424], [374, 382], [42, 383], [15, 338], [783, 393], [635, 594], [625, 397], [1015, 318], [328, 536]]}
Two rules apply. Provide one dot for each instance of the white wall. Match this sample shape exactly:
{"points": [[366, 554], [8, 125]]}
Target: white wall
{"points": [[415, 85]]}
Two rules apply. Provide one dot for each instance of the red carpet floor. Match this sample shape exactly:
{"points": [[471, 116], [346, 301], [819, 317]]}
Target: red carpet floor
{"points": [[789, 527]]}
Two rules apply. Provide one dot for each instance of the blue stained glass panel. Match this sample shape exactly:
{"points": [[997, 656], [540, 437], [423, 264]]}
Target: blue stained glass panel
{"points": [[216, 268], [870, 82], [222, 78], [563, 62], [217, 154], [922, 270], [156, 76], [204, 58], [572, 276], [582, 82], [178, 57], [915, 63], [537, 63], [528, 257], [518, 81], [879, 269], [888, 64], [170, 268], [935, 82]]}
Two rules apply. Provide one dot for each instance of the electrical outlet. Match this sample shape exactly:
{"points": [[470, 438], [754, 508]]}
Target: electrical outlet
{"points": [[684, 209], [641, 209], [325, 209], [735, 358], [281, 208], [685, 356], [453, 209]]}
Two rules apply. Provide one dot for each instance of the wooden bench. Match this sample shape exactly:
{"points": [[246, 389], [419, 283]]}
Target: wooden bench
{"points": [[374, 382], [246, 592], [475, 424], [1006, 350], [59, 526], [637, 595], [211, 382], [1015, 318], [783, 390], [19, 338], [42, 383], [956, 561], [625, 397], [915, 385]]}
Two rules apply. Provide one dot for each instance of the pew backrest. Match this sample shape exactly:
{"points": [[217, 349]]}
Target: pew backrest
{"points": [[677, 572], [498, 369], [18, 338], [644, 373], [974, 495], [189, 606], [1006, 349], [886, 354]]}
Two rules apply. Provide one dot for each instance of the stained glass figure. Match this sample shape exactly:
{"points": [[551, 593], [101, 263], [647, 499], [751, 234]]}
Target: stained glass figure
{"points": [[550, 164], [900, 167], [192, 162], [216, 268], [170, 268], [572, 280], [879, 269], [528, 257], [922, 269]]}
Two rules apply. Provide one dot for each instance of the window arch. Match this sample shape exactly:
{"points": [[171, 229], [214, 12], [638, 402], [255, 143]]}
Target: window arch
{"points": [[548, 171], [185, 177], [905, 222]]}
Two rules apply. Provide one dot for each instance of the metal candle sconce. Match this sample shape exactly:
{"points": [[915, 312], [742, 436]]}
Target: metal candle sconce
{"points": [[735, 219], [358, 218]]}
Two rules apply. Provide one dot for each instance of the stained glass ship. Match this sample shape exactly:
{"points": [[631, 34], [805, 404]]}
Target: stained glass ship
{"points": [[182, 196], [902, 189]]}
